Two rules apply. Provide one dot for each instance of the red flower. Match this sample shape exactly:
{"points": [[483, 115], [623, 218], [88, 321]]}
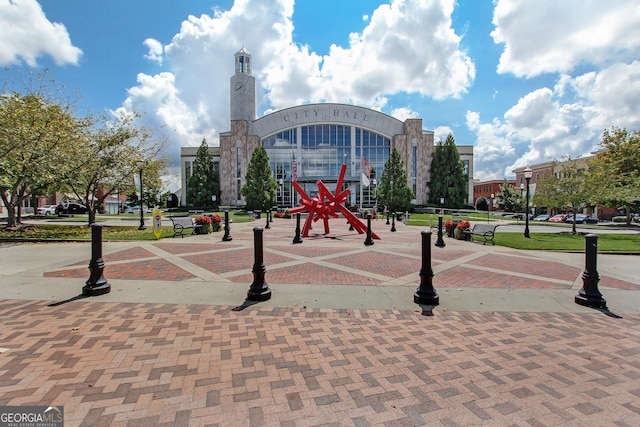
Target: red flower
{"points": [[202, 220], [448, 224], [463, 224], [216, 218]]}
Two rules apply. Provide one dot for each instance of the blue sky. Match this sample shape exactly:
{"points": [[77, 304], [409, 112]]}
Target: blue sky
{"points": [[523, 81]]}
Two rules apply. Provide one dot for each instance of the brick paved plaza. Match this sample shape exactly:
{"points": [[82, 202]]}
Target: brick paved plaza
{"points": [[340, 343]]}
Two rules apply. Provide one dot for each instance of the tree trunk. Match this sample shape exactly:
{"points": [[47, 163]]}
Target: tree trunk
{"points": [[11, 216], [92, 215]]}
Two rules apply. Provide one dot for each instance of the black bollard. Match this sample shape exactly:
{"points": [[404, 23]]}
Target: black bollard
{"points": [[387, 217], [268, 213], [426, 294], [368, 241], [440, 242], [589, 295], [227, 228], [97, 283], [259, 290], [297, 239], [393, 222]]}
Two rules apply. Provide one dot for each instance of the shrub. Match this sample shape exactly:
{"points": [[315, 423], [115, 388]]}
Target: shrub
{"points": [[448, 225]]}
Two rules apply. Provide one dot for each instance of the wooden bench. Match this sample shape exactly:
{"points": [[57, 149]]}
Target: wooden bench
{"points": [[181, 223], [487, 231]]}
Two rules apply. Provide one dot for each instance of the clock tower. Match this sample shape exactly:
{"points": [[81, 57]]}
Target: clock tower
{"points": [[243, 89]]}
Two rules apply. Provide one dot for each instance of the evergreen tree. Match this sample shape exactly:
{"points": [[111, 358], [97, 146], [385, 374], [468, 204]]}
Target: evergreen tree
{"points": [[259, 189], [448, 180], [204, 181], [393, 190]]}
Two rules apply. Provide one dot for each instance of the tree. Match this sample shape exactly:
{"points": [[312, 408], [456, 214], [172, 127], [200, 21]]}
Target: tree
{"points": [[204, 181], [151, 186], [259, 189], [509, 199], [393, 190], [614, 173], [448, 180], [107, 159], [37, 131], [567, 191]]}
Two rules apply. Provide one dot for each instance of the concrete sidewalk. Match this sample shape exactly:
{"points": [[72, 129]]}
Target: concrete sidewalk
{"points": [[340, 343]]}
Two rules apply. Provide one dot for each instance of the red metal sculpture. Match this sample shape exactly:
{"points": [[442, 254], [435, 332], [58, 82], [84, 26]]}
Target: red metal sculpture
{"points": [[324, 205]]}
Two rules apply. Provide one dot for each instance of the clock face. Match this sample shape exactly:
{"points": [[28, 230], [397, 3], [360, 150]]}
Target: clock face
{"points": [[240, 87]]}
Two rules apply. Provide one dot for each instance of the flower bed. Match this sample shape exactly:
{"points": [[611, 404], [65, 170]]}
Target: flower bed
{"points": [[282, 214], [205, 222], [460, 230], [216, 222]]}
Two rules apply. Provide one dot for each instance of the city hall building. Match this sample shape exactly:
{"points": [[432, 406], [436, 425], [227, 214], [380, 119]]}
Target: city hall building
{"points": [[311, 142]]}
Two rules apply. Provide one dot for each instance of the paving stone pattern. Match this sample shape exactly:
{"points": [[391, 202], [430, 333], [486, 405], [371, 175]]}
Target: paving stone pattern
{"points": [[191, 365], [142, 364]]}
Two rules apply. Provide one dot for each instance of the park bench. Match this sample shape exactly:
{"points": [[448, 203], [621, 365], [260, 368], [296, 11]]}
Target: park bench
{"points": [[487, 231], [181, 223]]}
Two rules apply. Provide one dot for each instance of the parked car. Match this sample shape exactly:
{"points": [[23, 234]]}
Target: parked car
{"points": [[593, 219], [72, 208], [558, 218], [136, 209], [47, 210], [579, 219], [543, 217]]}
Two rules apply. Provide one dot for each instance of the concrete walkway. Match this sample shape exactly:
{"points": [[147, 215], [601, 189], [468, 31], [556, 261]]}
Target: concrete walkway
{"points": [[339, 343]]}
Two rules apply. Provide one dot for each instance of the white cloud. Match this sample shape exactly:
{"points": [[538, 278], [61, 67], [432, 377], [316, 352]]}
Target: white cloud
{"points": [[545, 36], [547, 124], [155, 50], [404, 113], [411, 41], [440, 133], [26, 34], [612, 95]]}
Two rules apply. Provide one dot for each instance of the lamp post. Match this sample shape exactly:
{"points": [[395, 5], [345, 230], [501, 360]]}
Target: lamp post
{"points": [[522, 194], [490, 203], [140, 167], [527, 176]]}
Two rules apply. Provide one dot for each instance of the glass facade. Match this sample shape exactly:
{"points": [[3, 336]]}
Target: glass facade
{"points": [[318, 152]]}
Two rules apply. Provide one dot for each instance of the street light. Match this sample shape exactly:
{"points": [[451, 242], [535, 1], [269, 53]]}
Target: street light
{"points": [[527, 176], [522, 196], [490, 203], [140, 167]]}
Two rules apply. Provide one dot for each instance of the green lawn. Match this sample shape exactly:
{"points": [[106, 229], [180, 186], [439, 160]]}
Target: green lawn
{"points": [[81, 231], [553, 241], [567, 242]]}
